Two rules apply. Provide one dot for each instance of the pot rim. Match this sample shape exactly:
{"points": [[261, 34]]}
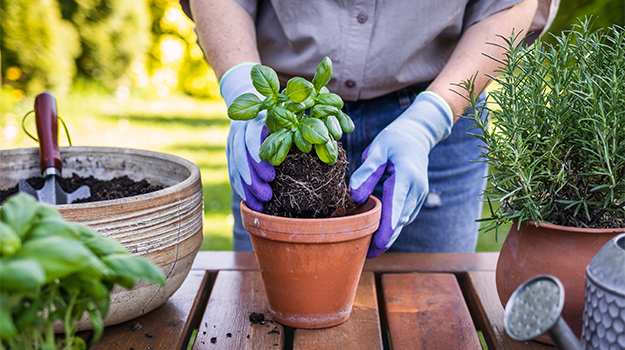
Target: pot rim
{"points": [[570, 228], [322, 230], [194, 173]]}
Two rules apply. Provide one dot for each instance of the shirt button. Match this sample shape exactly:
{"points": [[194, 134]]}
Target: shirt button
{"points": [[350, 83], [362, 17]]}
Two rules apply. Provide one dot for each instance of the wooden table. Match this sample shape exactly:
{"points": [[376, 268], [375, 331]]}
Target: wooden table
{"points": [[404, 301]]}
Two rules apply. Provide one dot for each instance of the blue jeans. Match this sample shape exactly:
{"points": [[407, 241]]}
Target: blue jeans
{"points": [[446, 222]]}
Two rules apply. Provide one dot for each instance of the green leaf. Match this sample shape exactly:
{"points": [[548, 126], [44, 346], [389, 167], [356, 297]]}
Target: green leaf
{"points": [[102, 246], [322, 111], [328, 152], [323, 73], [282, 98], [26, 316], [19, 212], [54, 227], [284, 117], [265, 80], [314, 131], [6, 320], [334, 127], [59, 256], [283, 150], [98, 326], [324, 90], [272, 122], [10, 242], [330, 99], [301, 143], [135, 267], [244, 107], [272, 144], [268, 103], [346, 122], [298, 89], [21, 274]]}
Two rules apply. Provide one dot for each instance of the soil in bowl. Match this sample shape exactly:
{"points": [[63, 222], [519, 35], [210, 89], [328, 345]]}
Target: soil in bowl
{"points": [[306, 187], [101, 190]]}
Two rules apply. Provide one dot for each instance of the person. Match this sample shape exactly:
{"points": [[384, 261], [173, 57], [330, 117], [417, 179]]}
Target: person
{"points": [[394, 64]]}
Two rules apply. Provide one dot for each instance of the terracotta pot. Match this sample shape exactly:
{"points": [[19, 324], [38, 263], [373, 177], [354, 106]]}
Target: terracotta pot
{"points": [[311, 267], [561, 251], [163, 226]]}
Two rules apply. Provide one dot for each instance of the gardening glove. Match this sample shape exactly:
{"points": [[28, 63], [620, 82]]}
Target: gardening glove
{"points": [[249, 176], [401, 151]]}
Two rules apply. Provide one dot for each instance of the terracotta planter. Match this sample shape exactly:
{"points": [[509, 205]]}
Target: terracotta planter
{"points": [[311, 267], [163, 226], [561, 251]]}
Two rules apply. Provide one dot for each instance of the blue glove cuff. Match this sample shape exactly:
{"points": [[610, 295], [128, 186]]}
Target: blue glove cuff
{"points": [[432, 112], [236, 81]]}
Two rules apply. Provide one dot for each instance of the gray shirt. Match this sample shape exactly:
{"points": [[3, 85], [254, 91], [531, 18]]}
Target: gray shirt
{"points": [[376, 46]]}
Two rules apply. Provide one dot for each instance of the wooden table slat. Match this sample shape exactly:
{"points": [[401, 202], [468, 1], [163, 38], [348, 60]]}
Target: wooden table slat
{"points": [[167, 327], [361, 331], [427, 311], [226, 323], [483, 299]]}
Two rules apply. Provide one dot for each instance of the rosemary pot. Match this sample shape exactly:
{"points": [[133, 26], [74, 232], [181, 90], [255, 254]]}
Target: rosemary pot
{"points": [[311, 267]]}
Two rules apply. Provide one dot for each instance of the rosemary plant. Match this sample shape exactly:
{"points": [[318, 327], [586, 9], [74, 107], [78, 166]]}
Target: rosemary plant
{"points": [[555, 135]]}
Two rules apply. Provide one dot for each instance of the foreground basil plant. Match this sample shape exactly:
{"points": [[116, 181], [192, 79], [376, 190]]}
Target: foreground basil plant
{"points": [[305, 114], [54, 270]]}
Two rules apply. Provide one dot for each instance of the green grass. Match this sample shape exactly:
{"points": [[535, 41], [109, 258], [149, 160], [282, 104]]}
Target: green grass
{"points": [[189, 128]]}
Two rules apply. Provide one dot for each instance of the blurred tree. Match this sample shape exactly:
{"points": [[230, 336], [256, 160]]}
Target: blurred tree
{"points": [[38, 46], [606, 13], [176, 61], [113, 34]]}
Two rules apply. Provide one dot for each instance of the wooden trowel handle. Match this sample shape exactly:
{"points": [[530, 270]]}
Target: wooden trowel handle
{"points": [[47, 130]]}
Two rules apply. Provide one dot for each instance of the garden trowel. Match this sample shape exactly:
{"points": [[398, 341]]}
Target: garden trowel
{"points": [[50, 157]]}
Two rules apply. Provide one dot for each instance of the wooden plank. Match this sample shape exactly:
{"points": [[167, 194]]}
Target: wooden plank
{"points": [[388, 262], [482, 297], [427, 311], [226, 322], [361, 331], [167, 327]]}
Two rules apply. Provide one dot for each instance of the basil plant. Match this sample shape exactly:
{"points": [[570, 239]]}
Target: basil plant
{"points": [[305, 113]]}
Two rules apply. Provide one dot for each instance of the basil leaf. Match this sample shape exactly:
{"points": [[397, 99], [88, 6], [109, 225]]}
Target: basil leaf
{"points": [[10, 242], [105, 246], [21, 274], [328, 152], [314, 131], [272, 122], [244, 107], [334, 127], [284, 117], [27, 315], [330, 99], [298, 89], [283, 150], [268, 103], [98, 326], [19, 212], [135, 267], [324, 90], [301, 143], [265, 80], [346, 122], [322, 111], [6, 320], [54, 227], [282, 98], [272, 144], [59, 256], [323, 73]]}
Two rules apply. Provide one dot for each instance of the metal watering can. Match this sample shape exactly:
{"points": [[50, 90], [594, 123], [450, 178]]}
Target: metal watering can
{"points": [[535, 306]]}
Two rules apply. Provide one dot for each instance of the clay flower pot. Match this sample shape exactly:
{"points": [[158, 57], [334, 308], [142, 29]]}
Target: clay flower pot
{"points": [[311, 267], [163, 226], [561, 251]]}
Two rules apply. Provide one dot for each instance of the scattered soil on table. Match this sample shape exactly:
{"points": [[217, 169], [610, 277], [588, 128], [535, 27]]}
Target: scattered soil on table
{"points": [[101, 190], [306, 187], [256, 318]]}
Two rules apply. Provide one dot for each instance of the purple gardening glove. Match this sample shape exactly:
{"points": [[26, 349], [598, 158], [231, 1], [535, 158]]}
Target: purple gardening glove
{"points": [[249, 176], [401, 151]]}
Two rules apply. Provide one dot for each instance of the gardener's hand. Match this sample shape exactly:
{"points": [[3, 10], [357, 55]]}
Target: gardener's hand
{"points": [[401, 151], [249, 176]]}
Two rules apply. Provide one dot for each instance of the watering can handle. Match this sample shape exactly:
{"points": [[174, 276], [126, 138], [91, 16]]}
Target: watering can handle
{"points": [[47, 130]]}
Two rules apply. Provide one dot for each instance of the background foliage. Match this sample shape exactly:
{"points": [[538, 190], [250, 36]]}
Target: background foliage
{"points": [[130, 74]]}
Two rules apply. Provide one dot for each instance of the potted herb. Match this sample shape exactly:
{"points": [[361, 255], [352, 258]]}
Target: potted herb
{"points": [[554, 141], [53, 271], [297, 242]]}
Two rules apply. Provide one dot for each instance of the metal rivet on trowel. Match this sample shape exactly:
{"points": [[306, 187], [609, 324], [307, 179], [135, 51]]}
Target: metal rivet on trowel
{"points": [[534, 308]]}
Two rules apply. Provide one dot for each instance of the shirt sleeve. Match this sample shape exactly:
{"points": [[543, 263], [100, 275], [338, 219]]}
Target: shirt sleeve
{"points": [[249, 5], [478, 10]]}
